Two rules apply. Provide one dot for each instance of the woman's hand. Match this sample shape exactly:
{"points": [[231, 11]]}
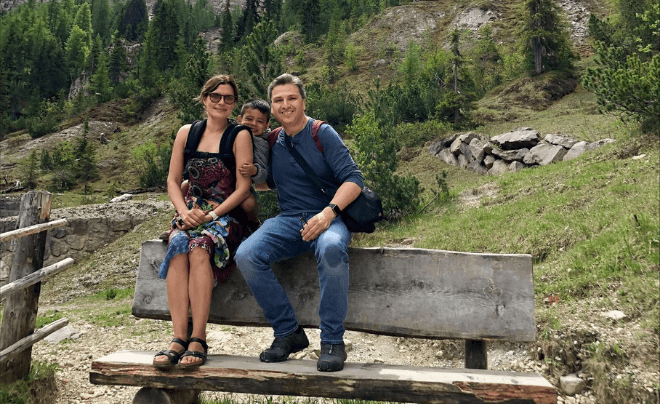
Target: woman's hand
{"points": [[317, 224], [192, 218]]}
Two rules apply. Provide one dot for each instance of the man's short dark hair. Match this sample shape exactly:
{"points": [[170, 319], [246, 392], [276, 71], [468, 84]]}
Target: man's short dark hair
{"points": [[287, 78], [260, 105]]}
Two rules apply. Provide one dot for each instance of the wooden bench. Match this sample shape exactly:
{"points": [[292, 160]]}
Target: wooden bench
{"points": [[400, 292]]}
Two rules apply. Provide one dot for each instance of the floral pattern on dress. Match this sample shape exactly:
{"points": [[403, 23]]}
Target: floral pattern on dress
{"points": [[210, 184]]}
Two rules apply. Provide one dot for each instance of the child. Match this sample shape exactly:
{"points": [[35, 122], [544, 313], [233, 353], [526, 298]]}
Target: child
{"points": [[255, 114]]}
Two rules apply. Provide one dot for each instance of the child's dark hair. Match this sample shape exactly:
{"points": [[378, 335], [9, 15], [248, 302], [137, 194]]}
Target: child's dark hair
{"points": [[258, 104]]}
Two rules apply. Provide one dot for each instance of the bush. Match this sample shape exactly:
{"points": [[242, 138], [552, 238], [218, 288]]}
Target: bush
{"points": [[152, 163], [337, 105], [416, 134], [376, 157]]}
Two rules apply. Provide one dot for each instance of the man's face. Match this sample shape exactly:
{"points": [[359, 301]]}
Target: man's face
{"points": [[287, 104], [254, 119]]}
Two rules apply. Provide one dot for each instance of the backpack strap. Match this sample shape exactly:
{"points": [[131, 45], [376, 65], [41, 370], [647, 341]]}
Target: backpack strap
{"points": [[194, 137], [227, 146], [316, 125]]}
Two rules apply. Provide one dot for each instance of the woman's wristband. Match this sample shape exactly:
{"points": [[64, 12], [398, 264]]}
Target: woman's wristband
{"points": [[214, 216]]}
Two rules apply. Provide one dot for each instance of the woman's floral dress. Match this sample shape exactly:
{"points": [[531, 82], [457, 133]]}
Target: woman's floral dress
{"points": [[210, 184]]}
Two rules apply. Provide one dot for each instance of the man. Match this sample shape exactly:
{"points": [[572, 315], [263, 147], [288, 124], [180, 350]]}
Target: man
{"points": [[302, 204]]}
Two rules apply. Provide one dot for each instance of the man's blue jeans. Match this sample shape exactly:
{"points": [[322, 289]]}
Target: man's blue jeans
{"points": [[279, 238]]}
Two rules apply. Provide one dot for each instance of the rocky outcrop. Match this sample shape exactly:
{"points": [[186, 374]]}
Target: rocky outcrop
{"points": [[90, 228], [508, 152]]}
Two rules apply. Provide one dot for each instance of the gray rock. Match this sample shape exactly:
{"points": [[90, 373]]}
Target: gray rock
{"points": [[572, 385], [465, 150], [122, 198], [479, 148], [544, 154], [462, 139], [499, 167], [615, 315], [462, 161], [380, 62], [516, 166], [435, 148], [488, 161], [517, 139], [511, 155], [559, 140], [62, 334], [477, 167], [577, 149], [599, 143], [447, 156]]}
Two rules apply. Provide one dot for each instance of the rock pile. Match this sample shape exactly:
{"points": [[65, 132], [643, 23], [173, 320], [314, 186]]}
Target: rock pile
{"points": [[511, 151]]}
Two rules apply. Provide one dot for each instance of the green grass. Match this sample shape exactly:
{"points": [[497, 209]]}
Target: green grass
{"points": [[39, 383]]}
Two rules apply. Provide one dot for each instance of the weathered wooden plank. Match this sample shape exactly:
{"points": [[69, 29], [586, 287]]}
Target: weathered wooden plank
{"points": [[32, 339], [402, 292], [26, 231], [364, 381], [35, 277], [20, 313]]}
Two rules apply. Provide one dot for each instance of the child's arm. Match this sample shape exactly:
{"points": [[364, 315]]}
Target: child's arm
{"points": [[185, 185]]}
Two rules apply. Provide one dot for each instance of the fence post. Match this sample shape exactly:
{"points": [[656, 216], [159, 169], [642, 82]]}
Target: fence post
{"points": [[20, 312]]}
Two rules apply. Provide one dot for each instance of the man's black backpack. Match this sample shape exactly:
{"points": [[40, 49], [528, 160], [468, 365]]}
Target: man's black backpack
{"points": [[226, 144]]}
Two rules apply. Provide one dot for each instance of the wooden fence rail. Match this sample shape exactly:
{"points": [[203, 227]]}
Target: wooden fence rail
{"points": [[17, 335]]}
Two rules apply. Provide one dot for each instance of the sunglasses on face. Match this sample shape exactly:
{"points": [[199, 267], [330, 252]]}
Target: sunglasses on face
{"points": [[215, 98]]}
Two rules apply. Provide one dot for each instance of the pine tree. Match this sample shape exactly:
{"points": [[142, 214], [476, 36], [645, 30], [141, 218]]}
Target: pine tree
{"points": [[117, 63], [193, 78], [85, 168], [100, 82], [629, 83], [228, 33], [77, 51], [101, 18], [546, 38], [166, 30], [264, 62], [310, 15], [134, 23]]}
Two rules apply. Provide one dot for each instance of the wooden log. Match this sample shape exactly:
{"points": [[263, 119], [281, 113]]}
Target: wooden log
{"points": [[38, 228], [365, 381], [35, 277], [20, 312], [32, 339], [402, 292]]}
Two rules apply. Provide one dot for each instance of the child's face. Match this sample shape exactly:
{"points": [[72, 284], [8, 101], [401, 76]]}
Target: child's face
{"points": [[254, 119]]}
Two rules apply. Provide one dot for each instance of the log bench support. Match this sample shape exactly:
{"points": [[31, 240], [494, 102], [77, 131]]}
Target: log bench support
{"points": [[411, 293]]}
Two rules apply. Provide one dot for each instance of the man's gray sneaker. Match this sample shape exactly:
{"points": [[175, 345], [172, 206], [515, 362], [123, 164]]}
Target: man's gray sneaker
{"points": [[282, 347], [332, 357]]}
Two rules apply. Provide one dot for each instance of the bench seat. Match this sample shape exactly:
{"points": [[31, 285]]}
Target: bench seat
{"points": [[406, 292], [366, 381]]}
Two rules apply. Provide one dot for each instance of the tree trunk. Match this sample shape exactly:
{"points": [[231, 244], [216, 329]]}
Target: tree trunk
{"points": [[538, 57], [21, 307]]}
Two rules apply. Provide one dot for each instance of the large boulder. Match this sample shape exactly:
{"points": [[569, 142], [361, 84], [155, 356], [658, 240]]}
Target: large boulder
{"points": [[560, 140], [511, 155], [576, 150], [448, 157], [544, 154], [517, 139], [479, 147], [462, 139], [499, 167]]}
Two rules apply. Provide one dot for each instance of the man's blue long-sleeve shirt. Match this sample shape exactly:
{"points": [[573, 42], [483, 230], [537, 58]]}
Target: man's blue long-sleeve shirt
{"points": [[296, 192]]}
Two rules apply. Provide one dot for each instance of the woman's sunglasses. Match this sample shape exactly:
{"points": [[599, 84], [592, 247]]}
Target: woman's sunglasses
{"points": [[215, 98]]}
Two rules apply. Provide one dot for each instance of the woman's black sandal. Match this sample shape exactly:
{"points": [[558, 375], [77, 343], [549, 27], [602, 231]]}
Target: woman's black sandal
{"points": [[195, 354], [171, 354]]}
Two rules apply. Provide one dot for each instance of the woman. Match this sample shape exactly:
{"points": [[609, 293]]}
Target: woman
{"points": [[204, 235]]}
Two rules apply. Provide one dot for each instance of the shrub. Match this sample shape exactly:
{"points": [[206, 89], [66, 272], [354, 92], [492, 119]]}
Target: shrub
{"points": [[152, 163], [376, 157], [416, 134], [337, 105]]}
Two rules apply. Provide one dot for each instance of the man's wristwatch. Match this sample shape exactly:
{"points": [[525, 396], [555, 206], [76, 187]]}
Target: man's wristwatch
{"points": [[335, 209]]}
